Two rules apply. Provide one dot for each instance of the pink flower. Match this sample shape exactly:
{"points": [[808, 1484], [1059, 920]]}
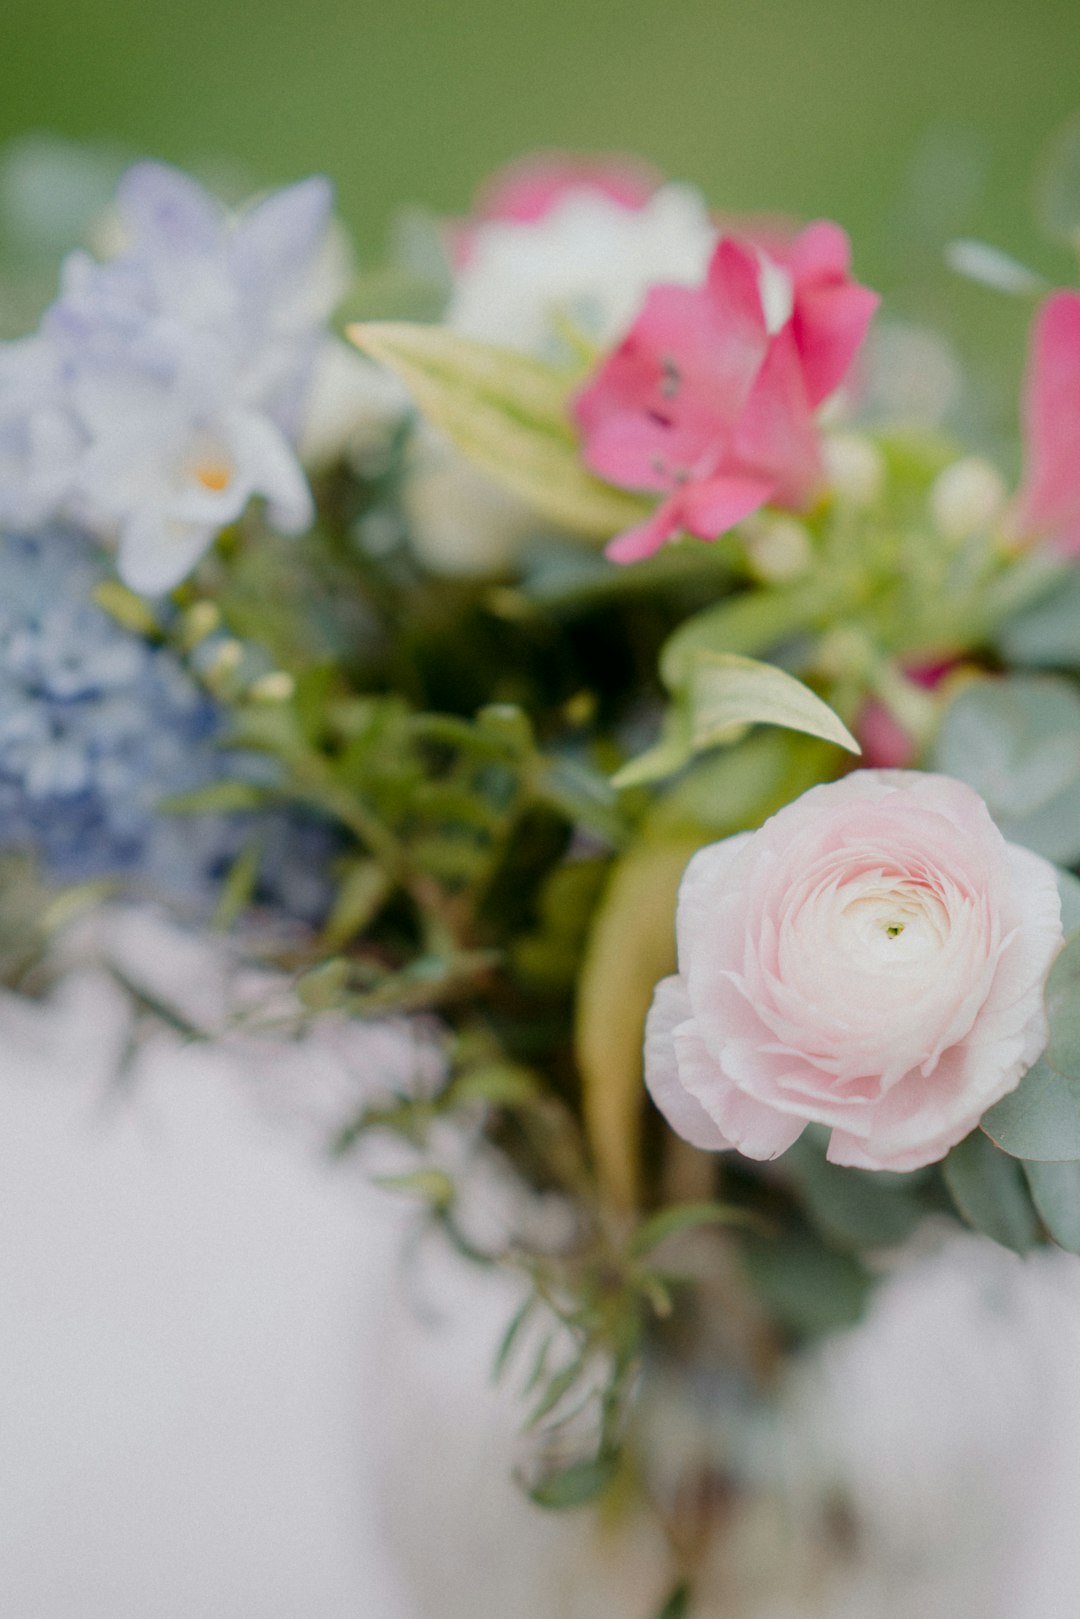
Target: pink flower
{"points": [[709, 399], [1049, 501], [872, 959], [528, 190], [887, 744]]}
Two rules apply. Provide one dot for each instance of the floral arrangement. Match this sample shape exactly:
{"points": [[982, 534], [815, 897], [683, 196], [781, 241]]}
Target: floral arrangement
{"points": [[564, 666]]}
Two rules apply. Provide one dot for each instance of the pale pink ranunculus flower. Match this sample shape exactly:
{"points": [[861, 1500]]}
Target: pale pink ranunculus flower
{"points": [[871, 959], [710, 398], [1048, 504]]}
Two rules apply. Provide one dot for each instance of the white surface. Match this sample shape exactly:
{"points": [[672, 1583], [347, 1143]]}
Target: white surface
{"points": [[185, 1293], [218, 1401]]}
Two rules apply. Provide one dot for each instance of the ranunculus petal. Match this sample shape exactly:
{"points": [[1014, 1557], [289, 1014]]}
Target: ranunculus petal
{"points": [[685, 1115]]}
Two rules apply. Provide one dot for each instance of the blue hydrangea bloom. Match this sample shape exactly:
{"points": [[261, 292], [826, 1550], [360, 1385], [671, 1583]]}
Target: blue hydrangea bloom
{"points": [[97, 726]]}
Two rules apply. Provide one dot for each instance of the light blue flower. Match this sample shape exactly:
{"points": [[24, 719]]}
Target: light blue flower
{"points": [[166, 386], [97, 726]]}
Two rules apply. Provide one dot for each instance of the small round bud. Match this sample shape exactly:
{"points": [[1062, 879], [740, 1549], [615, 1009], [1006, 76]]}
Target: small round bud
{"points": [[200, 620], [855, 468], [778, 549], [967, 498], [844, 654], [276, 687], [225, 659]]}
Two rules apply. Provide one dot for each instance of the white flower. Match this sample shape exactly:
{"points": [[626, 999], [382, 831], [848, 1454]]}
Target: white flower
{"points": [[589, 258], [167, 386]]}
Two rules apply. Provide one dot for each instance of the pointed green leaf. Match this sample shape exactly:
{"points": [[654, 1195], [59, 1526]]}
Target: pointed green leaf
{"points": [[682, 1217], [509, 415], [728, 692], [749, 623], [989, 1189], [677, 1605]]}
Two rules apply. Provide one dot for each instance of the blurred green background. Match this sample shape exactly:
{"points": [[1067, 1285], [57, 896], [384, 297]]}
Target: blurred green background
{"points": [[909, 121]]}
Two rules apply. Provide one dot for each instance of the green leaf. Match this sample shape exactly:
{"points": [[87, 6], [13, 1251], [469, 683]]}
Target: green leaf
{"points": [[129, 610], [1063, 1010], [728, 692], [1016, 740], [666, 757], [238, 889], [556, 1391], [677, 1605], [748, 623], [512, 1334], [1046, 634], [219, 798], [509, 415], [683, 1217], [990, 1191], [498, 1084], [577, 1485], [360, 896], [322, 988], [631, 946], [1055, 1191], [856, 1208], [1040, 1119], [809, 1288], [1069, 890], [430, 1185]]}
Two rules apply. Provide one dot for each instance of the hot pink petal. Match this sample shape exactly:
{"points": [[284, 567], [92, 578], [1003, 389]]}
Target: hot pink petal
{"points": [[831, 311], [710, 509], [1049, 500], [649, 537], [776, 434]]}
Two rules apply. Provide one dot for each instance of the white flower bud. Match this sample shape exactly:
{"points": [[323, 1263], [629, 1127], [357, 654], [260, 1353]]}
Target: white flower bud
{"points": [[778, 549], [967, 498], [855, 468]]}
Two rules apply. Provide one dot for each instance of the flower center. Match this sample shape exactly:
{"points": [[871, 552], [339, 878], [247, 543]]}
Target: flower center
{"points": [[214, 475], [889, 924]]}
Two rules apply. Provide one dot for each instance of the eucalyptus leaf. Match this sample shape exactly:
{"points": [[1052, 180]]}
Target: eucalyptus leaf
{"points": [[990, 1191], [1055, 1191], [1063, 1011], [856, 1208], [1016, 740], [809, 1287], [1069, 890], [509, 415], [1040, 1119], [728, 692], [1046, 633]]}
